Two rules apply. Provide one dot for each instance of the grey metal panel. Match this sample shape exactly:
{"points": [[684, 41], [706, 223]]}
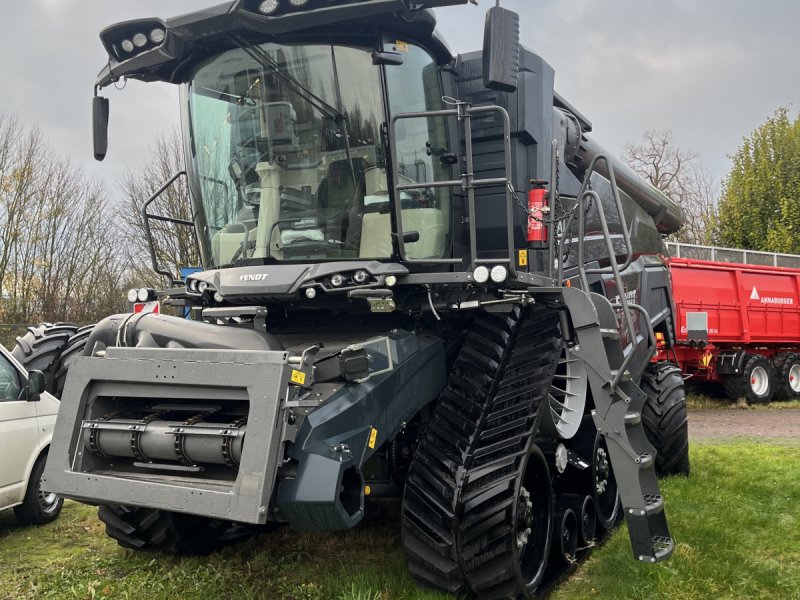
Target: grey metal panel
{"points": [[164, 373]]}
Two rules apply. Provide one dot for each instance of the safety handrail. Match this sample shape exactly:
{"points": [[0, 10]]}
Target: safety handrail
{"points": [[147, 216], [467, 183]]}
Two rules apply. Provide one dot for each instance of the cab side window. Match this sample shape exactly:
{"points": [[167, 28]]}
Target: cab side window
{"points": [[10, 384]]}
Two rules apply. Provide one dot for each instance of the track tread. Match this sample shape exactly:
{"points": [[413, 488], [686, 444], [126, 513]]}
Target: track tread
{"points": [[484, 424]]}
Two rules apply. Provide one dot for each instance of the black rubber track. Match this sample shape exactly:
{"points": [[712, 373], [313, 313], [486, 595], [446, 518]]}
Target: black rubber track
{"points": [[150, 529], [738, 386], [40, 349], [783, 363], [73, 349], [665, 418], [461, 489]]}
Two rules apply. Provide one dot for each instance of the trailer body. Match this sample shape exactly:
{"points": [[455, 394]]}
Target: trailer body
{"points": [[729, 314]]}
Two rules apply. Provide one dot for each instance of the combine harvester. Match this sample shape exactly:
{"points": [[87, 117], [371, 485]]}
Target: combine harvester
{"points": [[393, 301], [738, 320]]}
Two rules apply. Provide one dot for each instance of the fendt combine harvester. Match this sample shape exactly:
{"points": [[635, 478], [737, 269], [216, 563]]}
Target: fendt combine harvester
{"points": [[420, 278]]}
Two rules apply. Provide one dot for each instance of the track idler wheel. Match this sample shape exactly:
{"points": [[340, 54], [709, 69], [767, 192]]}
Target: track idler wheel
{"points": [[533, 518], [565, 537], [586, 513]]}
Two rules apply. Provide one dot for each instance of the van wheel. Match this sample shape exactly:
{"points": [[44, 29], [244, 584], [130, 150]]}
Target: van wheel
{"points": [[39, 506], [756, 382]]}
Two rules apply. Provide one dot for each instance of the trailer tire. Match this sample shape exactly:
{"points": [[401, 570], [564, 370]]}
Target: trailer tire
{"points": [[756, 382], [787, 371], [40, 349], [150, 529], [665, 418]]}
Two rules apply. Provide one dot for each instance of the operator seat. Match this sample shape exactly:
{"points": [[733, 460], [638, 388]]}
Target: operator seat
{"points": [[338, 194]]}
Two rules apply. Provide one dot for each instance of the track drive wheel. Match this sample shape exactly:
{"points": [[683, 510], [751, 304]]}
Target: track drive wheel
{"points": [[756, 382], [40, 349], [787, 371], [150, 529], [665, 418], [478, 502]]}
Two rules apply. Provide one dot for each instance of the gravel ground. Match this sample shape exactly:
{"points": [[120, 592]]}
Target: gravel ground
{"points": [[728, 423]]}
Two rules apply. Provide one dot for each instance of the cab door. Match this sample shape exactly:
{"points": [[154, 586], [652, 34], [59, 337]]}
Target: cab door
{"points": [[18, 433]]}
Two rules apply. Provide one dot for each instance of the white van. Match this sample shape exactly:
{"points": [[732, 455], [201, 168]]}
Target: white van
{"points": [[27, 418]]}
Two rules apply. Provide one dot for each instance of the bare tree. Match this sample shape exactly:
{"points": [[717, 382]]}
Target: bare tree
{"points": [[58, 246], [678, 174], [175, 245]]}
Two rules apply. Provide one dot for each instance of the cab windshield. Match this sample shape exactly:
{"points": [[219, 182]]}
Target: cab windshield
{"points": [[287, 153]]}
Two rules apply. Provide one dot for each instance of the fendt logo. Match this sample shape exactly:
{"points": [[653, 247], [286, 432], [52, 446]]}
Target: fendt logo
{"points": [[755, 296], [254, 277]]}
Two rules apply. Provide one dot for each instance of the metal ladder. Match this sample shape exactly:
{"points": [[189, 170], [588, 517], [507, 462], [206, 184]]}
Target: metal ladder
{"points": [[618, 400]]}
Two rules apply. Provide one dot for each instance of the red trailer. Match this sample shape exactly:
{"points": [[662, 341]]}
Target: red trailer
{"points": [[738, 324]]}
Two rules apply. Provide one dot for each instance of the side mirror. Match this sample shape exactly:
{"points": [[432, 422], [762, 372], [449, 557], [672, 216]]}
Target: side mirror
{"points": [[100, 110], [501, 50], [35, 385]]}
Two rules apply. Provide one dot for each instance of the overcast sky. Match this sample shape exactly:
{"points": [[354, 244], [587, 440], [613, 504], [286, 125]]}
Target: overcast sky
{"points": [[708, 70]]}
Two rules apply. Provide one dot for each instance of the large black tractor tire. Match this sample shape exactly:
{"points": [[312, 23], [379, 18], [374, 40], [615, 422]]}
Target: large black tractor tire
{"points": [[40, 349], [756, 382], [665, 418], [787, 375], [478, 502], [150, 529], [73, 349]]}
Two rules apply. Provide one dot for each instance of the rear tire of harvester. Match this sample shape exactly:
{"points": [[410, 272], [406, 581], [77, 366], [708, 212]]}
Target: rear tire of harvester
{"points": [[73, 349], [40, 349], [154, 530], [665, 418], [756, 382], [787, 371]]}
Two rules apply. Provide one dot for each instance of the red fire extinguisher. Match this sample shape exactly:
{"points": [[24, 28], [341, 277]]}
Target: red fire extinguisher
{"points": [[537, 209]]}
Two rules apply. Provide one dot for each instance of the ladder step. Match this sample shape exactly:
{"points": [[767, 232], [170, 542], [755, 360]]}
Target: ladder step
{"points": [[610, 334], [654, 504]]}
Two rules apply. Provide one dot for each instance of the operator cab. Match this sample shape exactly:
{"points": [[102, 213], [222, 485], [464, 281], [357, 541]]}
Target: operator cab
{"points": [[288, 153]]}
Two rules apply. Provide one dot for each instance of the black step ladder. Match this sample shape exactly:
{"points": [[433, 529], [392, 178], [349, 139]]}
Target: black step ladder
{"points": [[618, 400]]}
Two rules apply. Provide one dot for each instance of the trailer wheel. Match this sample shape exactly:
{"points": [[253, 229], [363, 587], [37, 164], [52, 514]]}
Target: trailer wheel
{"points": [[150, 529], [756, 382], [665, 418], [787, 369]]}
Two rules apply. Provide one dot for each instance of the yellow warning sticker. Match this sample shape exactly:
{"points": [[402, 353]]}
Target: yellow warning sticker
{"points": [[373, 437], [367, 490], [707, 359], [401, 46], [298, 377], [523, 258]]}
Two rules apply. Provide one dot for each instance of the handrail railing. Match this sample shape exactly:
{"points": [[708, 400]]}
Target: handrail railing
{"points": [[147, 216], [614, 269], [467, 183]]}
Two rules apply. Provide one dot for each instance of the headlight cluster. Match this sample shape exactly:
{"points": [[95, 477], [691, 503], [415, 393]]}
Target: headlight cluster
{"points": [[141, 295], [274, 7], [141, 40], [338, 280], [482, 274]]}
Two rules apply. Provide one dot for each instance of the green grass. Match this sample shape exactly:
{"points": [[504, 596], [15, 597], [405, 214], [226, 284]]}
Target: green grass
{"points": [[736, 522]]}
